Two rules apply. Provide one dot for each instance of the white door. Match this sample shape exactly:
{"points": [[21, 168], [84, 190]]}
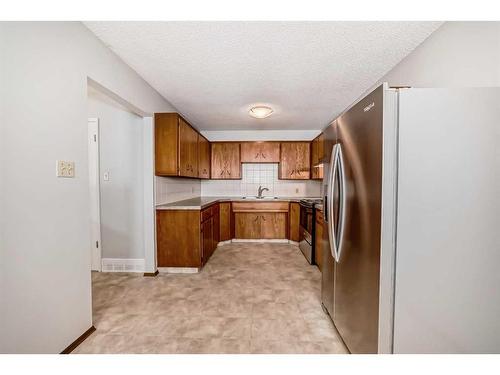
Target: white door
{"points": [[95, 205]]}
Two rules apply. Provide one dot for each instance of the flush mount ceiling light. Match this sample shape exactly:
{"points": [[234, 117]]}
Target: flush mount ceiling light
{"points": [[260, 111]]}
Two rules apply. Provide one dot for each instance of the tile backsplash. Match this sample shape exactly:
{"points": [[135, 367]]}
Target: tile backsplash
{"points": [[265, 175], [171, 189]]}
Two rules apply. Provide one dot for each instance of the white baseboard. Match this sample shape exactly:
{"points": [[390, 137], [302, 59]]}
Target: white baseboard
{"points": [[294, 243], [122, 265], [177, 270]]}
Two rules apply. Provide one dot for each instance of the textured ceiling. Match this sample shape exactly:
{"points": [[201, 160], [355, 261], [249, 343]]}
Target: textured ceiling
{"points": [[212, 72]]}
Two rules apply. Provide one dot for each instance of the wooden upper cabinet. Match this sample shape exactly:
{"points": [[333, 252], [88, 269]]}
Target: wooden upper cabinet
{"points": [[317, 154], [226, 162], [166, 144], [203, 157], [177, 147], [188, 150], [295, 161], [260, 152]]}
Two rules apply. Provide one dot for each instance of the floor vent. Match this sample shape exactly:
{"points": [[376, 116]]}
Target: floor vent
{"points": [[122, 265]]}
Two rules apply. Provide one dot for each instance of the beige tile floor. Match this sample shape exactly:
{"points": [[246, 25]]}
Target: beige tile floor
{"points": [[249, 298]]}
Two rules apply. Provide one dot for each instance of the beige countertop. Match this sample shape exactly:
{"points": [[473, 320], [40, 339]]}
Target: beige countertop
{"points": [[199, 203]]}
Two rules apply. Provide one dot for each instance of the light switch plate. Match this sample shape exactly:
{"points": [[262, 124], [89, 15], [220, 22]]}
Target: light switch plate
{"points": [[65, 168], [105, 176]]}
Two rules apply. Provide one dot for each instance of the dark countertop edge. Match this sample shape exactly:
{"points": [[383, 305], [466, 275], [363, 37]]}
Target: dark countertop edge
{"points": [[186, 204]]}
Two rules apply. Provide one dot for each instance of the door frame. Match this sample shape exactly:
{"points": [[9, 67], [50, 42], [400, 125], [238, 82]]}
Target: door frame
{"points": [[94, 192]]}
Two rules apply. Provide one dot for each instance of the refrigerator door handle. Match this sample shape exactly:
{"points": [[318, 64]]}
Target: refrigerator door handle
{"points": [[343, 200], [330, 202]]}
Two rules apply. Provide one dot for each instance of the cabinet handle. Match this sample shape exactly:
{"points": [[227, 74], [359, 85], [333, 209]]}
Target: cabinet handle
{"points": [[263, 218], [263, 155], [256, 218], [256, 156]]}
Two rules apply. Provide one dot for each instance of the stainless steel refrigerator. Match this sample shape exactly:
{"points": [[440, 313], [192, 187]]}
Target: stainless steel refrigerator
{"points": [[412, 202]]}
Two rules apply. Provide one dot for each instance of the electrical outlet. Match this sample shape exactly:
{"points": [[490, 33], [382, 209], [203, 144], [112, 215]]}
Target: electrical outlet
{"points": [[65, 168], [105, 176], [297, 190]]}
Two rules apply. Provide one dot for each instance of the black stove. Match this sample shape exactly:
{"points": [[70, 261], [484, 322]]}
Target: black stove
{"points": [[307, 232]]}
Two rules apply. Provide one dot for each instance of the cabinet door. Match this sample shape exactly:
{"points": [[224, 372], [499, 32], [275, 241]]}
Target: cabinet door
{"points": [[250, 152], [318, 246], [178, 238], [295, 161], [269, 152], [317, 154], [203, 157], [226, 164], [260, 152], [166, 133], [314, 158], [188, 150], [207, 239], [225, 221], [272, 225], [294, 221], [216, 223], [247, 225]]}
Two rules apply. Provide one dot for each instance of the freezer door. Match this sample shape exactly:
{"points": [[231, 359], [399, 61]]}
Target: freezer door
{"points": [[328, 261], [447, 297], [356, 301]]}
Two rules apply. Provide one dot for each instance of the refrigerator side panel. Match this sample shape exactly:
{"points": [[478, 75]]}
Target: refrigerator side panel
{"points": [[447, 295], [388, 220]]}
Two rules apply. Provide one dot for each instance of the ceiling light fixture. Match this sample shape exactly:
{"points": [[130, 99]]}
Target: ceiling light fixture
{"points": [[260, 111]]}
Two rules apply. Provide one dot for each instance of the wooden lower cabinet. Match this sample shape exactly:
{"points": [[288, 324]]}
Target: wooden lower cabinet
{"points": [[294, 221], [260, 225], [186, 238], [225, 221], [207, 239], [178, 248], [216, 217], [320, 239], [273, 225], [247, 225]]}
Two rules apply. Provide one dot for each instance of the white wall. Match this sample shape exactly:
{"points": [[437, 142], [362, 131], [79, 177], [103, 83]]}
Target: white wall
{"points": [[458, 54], [260, 174], [45, 288], [121, 156]]}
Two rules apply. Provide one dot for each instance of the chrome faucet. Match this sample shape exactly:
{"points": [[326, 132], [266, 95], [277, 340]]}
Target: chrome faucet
{"points": [[261, 190]]}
